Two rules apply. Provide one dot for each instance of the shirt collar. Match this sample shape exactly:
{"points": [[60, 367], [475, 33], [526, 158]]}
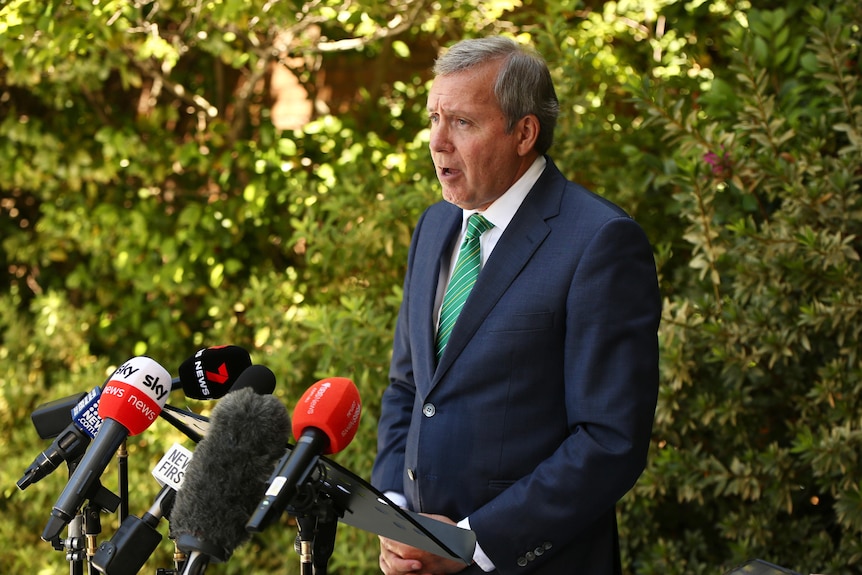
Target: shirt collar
{"points": [[501, 212]]}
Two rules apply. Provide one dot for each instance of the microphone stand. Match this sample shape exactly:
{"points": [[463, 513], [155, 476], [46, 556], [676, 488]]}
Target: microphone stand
{"points": [[303, 547], [316, 540], [92, 528], [317, 520], [73, 545], [86, 525]]}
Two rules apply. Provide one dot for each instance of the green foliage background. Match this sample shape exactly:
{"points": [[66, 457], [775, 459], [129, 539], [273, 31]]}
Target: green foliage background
{"points": [[149, 206]]}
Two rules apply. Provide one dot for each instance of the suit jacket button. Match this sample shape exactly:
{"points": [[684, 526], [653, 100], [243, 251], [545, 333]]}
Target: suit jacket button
{"points": [[428, 410], [411, 474], [522, 561]]}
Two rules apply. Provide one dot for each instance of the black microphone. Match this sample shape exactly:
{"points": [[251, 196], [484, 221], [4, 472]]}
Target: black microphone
{"points": [[227, 476], [211, 371], [51, 419], [195, 426], [70, 444], [130, 401], [134, 541]]}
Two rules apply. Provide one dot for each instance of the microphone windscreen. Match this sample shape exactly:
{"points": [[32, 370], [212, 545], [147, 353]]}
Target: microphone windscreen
{"points": [[257, 377], [227, 476], [135, 394], [331, 405], [211, 371]]}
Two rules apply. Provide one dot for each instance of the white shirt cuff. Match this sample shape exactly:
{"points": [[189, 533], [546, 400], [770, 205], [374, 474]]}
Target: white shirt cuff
{"points": [[397, 498], [482, 560]]}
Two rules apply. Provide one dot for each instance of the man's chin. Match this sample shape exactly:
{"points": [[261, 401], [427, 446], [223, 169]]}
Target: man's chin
{"points": [[454, 196]]}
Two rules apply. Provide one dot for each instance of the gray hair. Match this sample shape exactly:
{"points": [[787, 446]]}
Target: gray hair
{"points": [[523, 85]]}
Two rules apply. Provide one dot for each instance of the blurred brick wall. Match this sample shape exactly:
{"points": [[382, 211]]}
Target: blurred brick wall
{"points": [[344, 82]]}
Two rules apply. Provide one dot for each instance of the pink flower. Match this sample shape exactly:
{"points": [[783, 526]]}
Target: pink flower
{"points": [[721, 165]]}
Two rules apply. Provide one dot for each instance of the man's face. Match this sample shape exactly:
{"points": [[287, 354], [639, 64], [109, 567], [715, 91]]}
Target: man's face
{"points": [[475, 159]]}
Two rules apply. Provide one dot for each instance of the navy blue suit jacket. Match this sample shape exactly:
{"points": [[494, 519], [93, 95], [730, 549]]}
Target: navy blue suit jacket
{"points": [[538, 417]]}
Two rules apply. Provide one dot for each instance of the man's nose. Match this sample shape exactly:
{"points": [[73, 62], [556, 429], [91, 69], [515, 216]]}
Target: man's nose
{"points": [[440, 141]]}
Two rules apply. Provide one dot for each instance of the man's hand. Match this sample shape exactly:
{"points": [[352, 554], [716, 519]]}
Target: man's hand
{"points": [[400, 559]]}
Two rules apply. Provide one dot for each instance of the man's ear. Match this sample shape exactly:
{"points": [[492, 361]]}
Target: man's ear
{"points": [[527, 130]]}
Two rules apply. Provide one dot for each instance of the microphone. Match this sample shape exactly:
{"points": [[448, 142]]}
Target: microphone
{"points": [[227, 476], [211, 371], [195, 426], [136, 538], [130, 401], [192, 424], [50, 419], [325, 421], [70, 444], [208, 374]]}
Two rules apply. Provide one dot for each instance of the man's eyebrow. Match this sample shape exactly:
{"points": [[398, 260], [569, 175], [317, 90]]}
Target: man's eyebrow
{"points": [[449, 111]]}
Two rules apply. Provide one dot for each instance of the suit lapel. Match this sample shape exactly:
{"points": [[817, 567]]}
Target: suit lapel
{"points": [[442, 226], [523, 236]]}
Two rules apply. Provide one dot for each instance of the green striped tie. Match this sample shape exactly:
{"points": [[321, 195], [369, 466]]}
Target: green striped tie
{"points": [[463, 277]]}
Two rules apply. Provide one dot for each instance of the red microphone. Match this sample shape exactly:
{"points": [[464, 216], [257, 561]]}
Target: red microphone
{"points": [[325, 421], [330, 406]]}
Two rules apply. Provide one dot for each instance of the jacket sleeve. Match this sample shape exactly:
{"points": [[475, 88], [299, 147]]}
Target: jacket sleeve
{"points": [[610, 376]]}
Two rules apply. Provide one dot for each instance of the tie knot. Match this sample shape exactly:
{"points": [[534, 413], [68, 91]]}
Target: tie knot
{"points": [[477, 225]]}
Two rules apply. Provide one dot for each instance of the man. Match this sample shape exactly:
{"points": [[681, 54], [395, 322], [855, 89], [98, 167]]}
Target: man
{"points": [[536, 418]]}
